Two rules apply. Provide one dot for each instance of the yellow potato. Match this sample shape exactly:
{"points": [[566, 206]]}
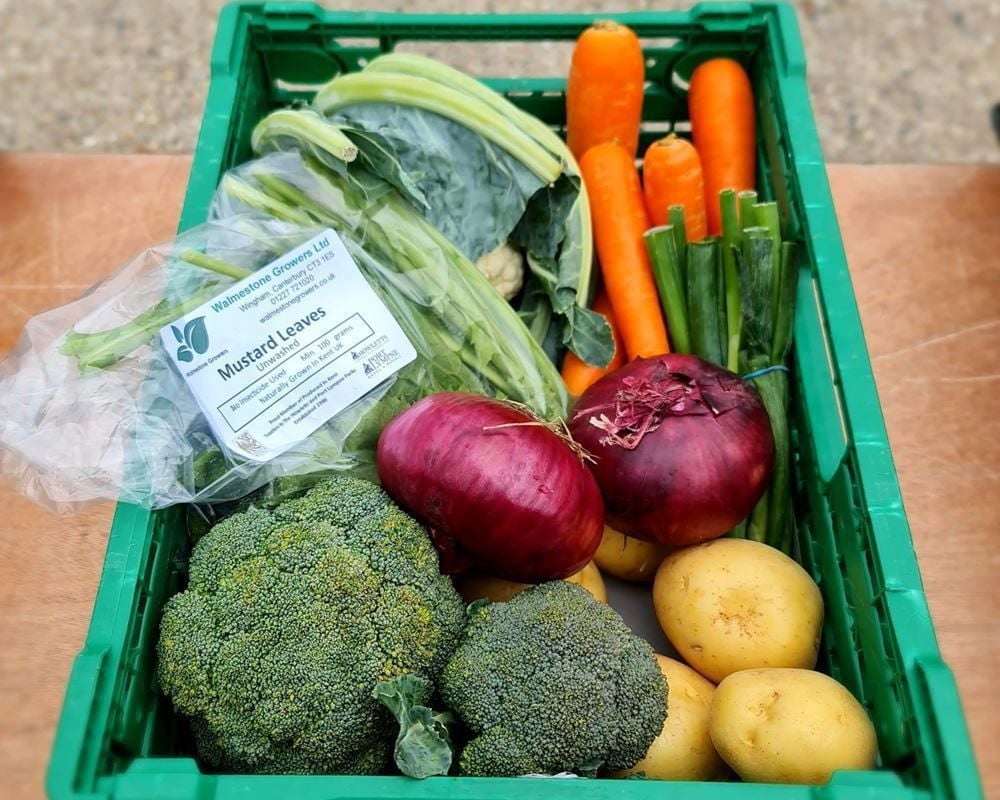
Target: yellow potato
{"points": [[735, 604], [628, 558], [475, 585], [789, 726], [683, 751]]}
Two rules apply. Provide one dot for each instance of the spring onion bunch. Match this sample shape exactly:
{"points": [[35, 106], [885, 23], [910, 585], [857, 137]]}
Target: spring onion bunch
{"points": [[730, 300]]}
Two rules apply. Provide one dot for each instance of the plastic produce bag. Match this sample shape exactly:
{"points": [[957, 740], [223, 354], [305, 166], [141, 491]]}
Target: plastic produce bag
{"points": [[92, 406]]}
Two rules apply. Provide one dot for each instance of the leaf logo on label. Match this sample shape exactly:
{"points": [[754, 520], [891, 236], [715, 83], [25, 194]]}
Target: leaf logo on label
{"points": [[193, 340], [196, 336]]}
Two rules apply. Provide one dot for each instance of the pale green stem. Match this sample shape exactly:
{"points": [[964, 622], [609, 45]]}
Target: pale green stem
{"points": [[408, 90], [304, 125]]}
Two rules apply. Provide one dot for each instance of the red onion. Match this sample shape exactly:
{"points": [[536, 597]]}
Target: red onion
{"points": [[683, 448], [498, 488]]}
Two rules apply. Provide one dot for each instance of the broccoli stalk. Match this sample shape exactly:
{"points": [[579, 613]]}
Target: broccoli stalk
{"points": [[423, 746]]}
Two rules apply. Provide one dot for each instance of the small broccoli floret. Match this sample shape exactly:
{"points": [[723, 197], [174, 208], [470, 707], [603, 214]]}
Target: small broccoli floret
{"points": [[553, 681], [291, 617]]}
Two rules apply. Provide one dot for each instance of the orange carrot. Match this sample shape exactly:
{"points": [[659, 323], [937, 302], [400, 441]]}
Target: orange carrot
{"points": [[720, 104], [604, 90], [577, 374], [619, 217], [671, 175]]}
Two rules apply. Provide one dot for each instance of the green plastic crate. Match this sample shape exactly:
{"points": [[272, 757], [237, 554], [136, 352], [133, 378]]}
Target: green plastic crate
{"points": [[118, 738]]}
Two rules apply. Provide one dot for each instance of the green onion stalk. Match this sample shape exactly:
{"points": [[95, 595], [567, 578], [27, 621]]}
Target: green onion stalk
{"points": [[771, 519], [730, 300], [706, 314], [666, 260]]}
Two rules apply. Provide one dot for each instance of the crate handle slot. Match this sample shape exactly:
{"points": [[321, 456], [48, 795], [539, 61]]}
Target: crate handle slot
{"points": [[814, 362], [75, 741], [508, 57], [951, 762], [725, 17]]}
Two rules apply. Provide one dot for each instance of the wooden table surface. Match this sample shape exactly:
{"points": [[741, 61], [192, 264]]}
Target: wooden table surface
{"points": [[923, 243]]}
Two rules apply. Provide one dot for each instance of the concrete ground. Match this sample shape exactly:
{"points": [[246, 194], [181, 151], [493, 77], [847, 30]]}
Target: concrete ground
{"points": [[892, 80]]}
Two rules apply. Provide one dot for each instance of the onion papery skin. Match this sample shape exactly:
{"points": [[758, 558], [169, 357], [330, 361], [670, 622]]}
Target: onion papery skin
{"points": [[682, 448]]}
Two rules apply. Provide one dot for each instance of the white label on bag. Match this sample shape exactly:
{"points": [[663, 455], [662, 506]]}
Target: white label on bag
{"points": [[275, 356]]}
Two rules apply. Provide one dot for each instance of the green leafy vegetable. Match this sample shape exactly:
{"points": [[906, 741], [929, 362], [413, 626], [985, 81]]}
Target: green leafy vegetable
{"points": [[580, 234], [467, 337], [409, 90], [474, 191], [473, 340], [482, 188]]}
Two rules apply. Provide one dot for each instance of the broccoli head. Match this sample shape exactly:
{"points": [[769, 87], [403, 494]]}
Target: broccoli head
{"points": [[291, 618], [553, 681]]}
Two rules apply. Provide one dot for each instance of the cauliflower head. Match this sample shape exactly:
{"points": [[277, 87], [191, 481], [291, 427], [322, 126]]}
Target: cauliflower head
{"points": [[504, 269]]}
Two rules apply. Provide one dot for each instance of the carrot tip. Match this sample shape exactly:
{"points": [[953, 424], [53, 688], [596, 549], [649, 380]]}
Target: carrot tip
{"points": [[667, 141]]}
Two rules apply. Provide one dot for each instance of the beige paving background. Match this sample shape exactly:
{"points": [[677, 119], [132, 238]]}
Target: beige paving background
{"points": [[891, 80]]}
